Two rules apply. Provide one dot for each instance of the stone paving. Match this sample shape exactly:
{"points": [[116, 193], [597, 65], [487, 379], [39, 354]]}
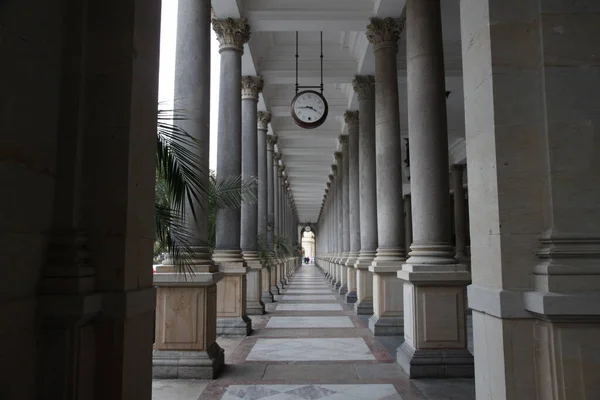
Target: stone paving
{"points": [[311, 346]]}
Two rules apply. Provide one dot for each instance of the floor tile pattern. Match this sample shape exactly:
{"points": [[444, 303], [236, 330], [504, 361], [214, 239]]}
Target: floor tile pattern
{"points": [[297, 297], [312, 392], [328, 349], [310, 307], [310, 322]]}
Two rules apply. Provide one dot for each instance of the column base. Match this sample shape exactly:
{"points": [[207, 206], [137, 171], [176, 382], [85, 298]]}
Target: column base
{"points": [[234, 326], [351, 297], [343, 289], [364, 307], [255, 308], [185, 364], [386, 326], [275, 290], [267, 297], [432, 363]]}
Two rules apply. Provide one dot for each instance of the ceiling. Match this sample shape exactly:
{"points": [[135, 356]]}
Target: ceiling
{"points": [[308, 154]]}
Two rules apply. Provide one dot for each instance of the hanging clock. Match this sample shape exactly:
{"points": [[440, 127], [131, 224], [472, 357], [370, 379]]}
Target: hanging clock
{"points": [[309, 109], [307, 228]]}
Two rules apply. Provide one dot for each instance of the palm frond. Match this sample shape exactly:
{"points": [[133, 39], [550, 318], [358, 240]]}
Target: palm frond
{"points": [[232, 191]]}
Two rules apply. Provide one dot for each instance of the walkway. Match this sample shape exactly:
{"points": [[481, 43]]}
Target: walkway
{"points": [[310, 345]]}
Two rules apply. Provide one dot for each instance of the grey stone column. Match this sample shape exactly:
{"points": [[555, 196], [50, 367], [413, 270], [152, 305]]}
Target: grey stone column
{"points": [[345, 216], [431, 274], [387, 316], [231, 291], [271, 142], [276, 215], [281, 195], [460, 218], [351, 118], [364, 86], [251, 87], [203, 357], [334, 225], [265, 159], [339, 220]]}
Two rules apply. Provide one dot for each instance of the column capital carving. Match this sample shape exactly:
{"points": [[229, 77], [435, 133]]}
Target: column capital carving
{"points": [[264, 118], [351, 119], [251, 86], [281, 169], [232, 33], [343, 140], [338, 154], [271, 142], [385, 32], [333, 170], [276, 157], [364, 86]]}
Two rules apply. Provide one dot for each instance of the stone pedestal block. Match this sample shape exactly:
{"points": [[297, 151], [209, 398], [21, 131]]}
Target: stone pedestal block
{"points": [[254, 304], [364, 284], [388, 311], [185, 345], [232, 318], [435, 335], [266, 294]]}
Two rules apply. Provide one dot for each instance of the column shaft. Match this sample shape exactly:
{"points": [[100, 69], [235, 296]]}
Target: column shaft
{"points": [[352, 123], [264, 162], [231, 293], [431, 273], [387, 316], [365, 89]]}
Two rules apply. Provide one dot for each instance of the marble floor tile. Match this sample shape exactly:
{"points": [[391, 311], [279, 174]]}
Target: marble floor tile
{"points": [[308, 291], [310, 349], [312, 392], [291, 297], [310, 307], [310, 322]]}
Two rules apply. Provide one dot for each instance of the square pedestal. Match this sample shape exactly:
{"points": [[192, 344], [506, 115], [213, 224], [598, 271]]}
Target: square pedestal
{"points": [[182, 364], [388, 302]]}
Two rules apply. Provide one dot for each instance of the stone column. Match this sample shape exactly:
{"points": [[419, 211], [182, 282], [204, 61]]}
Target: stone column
{"points": [[408, 220], [265, 159], [387, 316], [339, 221], [460, 217], [351, 118], [435, 330], [271, 142], [251, 88], [364, 86], [276, 208], [185, 345], [231, 293], [345, 216], [281, 201]]}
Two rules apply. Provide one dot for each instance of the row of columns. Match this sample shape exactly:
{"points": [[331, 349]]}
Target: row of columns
{"points": [[418, 293], [239, 277]]}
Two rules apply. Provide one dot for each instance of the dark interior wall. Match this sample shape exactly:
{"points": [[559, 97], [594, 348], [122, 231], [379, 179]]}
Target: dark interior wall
{"points": [[29, 85]]}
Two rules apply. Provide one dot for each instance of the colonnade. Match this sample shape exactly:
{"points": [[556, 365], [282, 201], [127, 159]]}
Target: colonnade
{"points": [[417, 293], [249, 264]]}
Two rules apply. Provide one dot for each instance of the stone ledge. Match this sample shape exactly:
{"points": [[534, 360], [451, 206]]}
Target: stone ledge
{"points": [[497, 302], [185, 364], [187, 279], [562, 304]]}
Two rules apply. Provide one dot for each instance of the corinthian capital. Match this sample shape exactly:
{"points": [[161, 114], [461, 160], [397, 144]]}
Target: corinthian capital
{"points": [[364, 86], [263, 119], [271, 142], [351, 119], [232, 33], [276, 158], [251, 86], [384, 32]]}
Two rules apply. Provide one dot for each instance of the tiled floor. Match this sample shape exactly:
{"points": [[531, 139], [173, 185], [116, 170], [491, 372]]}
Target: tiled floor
{"points": [[310, 345]]}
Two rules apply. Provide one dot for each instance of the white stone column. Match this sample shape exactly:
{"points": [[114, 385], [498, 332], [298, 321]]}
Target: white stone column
{"points": [[231, 293], [364, 86], [435, 330], [387, 316], [345, 216], [351, 119], [185, 344], [264, 166], [251, 88], [271, 142]]}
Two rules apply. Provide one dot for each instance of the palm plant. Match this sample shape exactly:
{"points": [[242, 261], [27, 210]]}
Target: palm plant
{"points": [[180, 186]]}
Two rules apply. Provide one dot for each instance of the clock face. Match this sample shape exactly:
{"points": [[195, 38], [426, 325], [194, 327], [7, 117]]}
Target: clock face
{"points": [[307, 228], [309, 109]]}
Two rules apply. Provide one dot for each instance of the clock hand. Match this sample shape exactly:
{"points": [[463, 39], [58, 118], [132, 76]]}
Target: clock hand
{"points": [[309, 107]]}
